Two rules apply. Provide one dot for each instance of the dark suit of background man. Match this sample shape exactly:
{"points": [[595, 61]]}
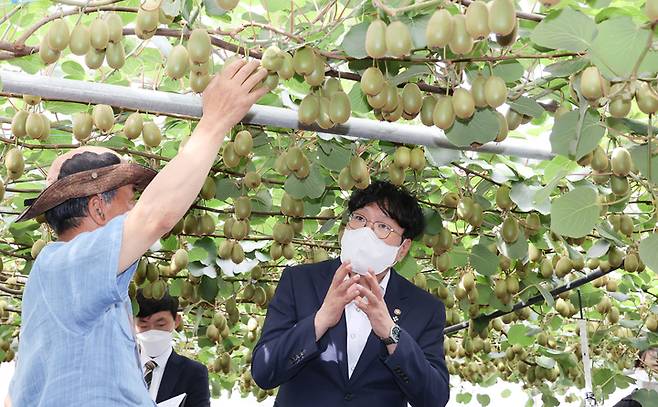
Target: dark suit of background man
{"points": [[166, 373], [352, 331]]}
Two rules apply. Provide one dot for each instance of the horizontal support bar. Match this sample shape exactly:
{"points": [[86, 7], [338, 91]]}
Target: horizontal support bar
{"points": [[190, 106]]}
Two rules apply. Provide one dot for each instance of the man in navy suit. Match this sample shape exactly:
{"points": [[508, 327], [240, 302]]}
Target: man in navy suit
{"points": [[352, 331], [166, 373]]}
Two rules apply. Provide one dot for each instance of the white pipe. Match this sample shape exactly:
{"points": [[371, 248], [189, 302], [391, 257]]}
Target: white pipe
{"points": [[190, 106]]}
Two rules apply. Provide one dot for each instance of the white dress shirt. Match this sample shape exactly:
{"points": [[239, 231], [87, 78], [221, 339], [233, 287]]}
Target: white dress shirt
{"points": [[358, 329], [158, 372]]}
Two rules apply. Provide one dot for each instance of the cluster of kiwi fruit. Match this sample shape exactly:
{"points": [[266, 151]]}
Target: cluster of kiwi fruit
{"points": [[613, 170], [149, 277], [355, 174], [279, 65], [405, 158], [240, 147], [193, 58], [293, 161], [598, 91], [460, 31], [327, 106], [236, 228], [30, 122]]}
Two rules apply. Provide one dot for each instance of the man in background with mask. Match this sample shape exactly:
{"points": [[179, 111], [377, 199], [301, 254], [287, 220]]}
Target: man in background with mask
{"points": [[351, 331], [166, 373]]}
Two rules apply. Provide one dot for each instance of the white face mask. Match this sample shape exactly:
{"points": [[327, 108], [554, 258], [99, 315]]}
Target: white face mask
{"points": [[154, 342], [366, 251]]}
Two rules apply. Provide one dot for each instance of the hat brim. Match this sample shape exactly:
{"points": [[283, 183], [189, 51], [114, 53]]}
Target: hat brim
{"points": [[88, 183]]}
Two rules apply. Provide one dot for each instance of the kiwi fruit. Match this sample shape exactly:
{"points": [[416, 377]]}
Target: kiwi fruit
{"points": [[47, 54], [304, 61], [199, 81], [242, 207], [208, 189], [99, 34], [591, 83], [510, 230], [395, 175], [14, 163], [58, 35], [619, 107], [79, 41], [412, 98], [82, 126], [376, 36], [339, 107], [398, 39], [287, 70], [316, 77], [478, 91], [460, 42], [345, 180], [309, 109], [509, 39], [151, 134], [94, 58], [621, 162], [463, 103], [392, 99], [230, 157], [115, 55], [465, 208], [599, 160], [198, 46], [402, 157], [513, 119], [103, 117], [372, 81], [114, 26], [477, 20], [177, 62], [378, 101], [294, 158], [619, 185], [417, 160], [427, 110], [147, 21], [358, 169], [227, 5], [502, 16], [439, 29], [243, 143], [272, 58], [18, 123], [132, 128], [444, 113], [646, 98], [502, 127], [495, 91]]}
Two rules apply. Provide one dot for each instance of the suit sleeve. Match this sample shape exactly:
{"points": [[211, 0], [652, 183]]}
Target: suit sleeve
{"points": [[199, 390], [419, 366], [286, 343]]}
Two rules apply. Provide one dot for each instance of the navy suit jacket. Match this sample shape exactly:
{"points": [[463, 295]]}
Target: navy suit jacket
{"points": [[183, 375], [312, 373]]}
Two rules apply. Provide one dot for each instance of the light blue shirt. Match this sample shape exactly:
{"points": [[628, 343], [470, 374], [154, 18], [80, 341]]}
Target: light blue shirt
{"points": [[77, 346]]}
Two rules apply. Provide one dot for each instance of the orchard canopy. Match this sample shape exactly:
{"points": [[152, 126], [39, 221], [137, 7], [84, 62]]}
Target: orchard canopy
{"points": [[534, 157]]}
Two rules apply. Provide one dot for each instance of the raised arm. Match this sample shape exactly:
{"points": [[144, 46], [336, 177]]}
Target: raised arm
{"points": [[164, 202]]}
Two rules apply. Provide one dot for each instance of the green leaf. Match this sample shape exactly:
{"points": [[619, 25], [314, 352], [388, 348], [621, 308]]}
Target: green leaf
{"points": [[208, 288], [523, 195], [646, 397], [550, 301], [545, 193], [354, 42], [483, 399], [510, 70], [567, 140], [545, 362], [575, 213], [640, 155], [65, 107], [481, 128], [518, 335], [618, 47], [410, 73], [464, 398], [515, 250], [567, 68], [408, 267], [483, 260], [526, 106], [358, 100], [312, 186], [649, 252], [565, 29]]}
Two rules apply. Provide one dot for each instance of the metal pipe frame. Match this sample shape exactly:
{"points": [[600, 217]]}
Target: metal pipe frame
{"points": [[15, 83]]}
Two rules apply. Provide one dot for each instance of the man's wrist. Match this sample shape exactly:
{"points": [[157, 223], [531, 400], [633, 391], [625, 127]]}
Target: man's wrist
{"points": [[211, 128]]}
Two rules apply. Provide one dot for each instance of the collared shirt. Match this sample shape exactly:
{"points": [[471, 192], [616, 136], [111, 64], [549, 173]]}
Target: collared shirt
{"points": [[358, 329], [77, 345], [158, 372]]}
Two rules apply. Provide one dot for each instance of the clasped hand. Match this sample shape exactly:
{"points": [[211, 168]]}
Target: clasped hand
{"points": [[365, 291]]}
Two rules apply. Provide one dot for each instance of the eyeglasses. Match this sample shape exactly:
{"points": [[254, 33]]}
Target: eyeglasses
{"points": [[381, 229]]}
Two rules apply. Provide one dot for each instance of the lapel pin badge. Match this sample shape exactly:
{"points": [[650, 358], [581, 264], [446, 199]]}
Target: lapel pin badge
{"points": [[396, 314]]}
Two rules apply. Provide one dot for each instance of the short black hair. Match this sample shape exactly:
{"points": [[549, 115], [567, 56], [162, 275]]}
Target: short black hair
{"points": [[69, 214], [396, 202], [149, 306]]}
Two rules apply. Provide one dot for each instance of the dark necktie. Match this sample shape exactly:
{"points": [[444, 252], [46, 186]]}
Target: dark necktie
{"points": [[148, 372]]}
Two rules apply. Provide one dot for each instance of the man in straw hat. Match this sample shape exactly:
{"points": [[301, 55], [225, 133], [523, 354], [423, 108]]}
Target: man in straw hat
{"points": [[77, 345]]}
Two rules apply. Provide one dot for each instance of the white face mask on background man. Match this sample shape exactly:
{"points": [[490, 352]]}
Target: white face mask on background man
{"points": [[366, 251], [154, 342]]}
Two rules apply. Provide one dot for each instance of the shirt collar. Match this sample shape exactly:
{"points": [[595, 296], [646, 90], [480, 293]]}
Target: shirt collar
{"points": [[160, 360]]}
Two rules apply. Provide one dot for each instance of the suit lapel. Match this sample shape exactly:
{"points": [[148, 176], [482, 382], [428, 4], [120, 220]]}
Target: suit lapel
{"points": [[395, 299], [171, 374], [338, 334]]}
